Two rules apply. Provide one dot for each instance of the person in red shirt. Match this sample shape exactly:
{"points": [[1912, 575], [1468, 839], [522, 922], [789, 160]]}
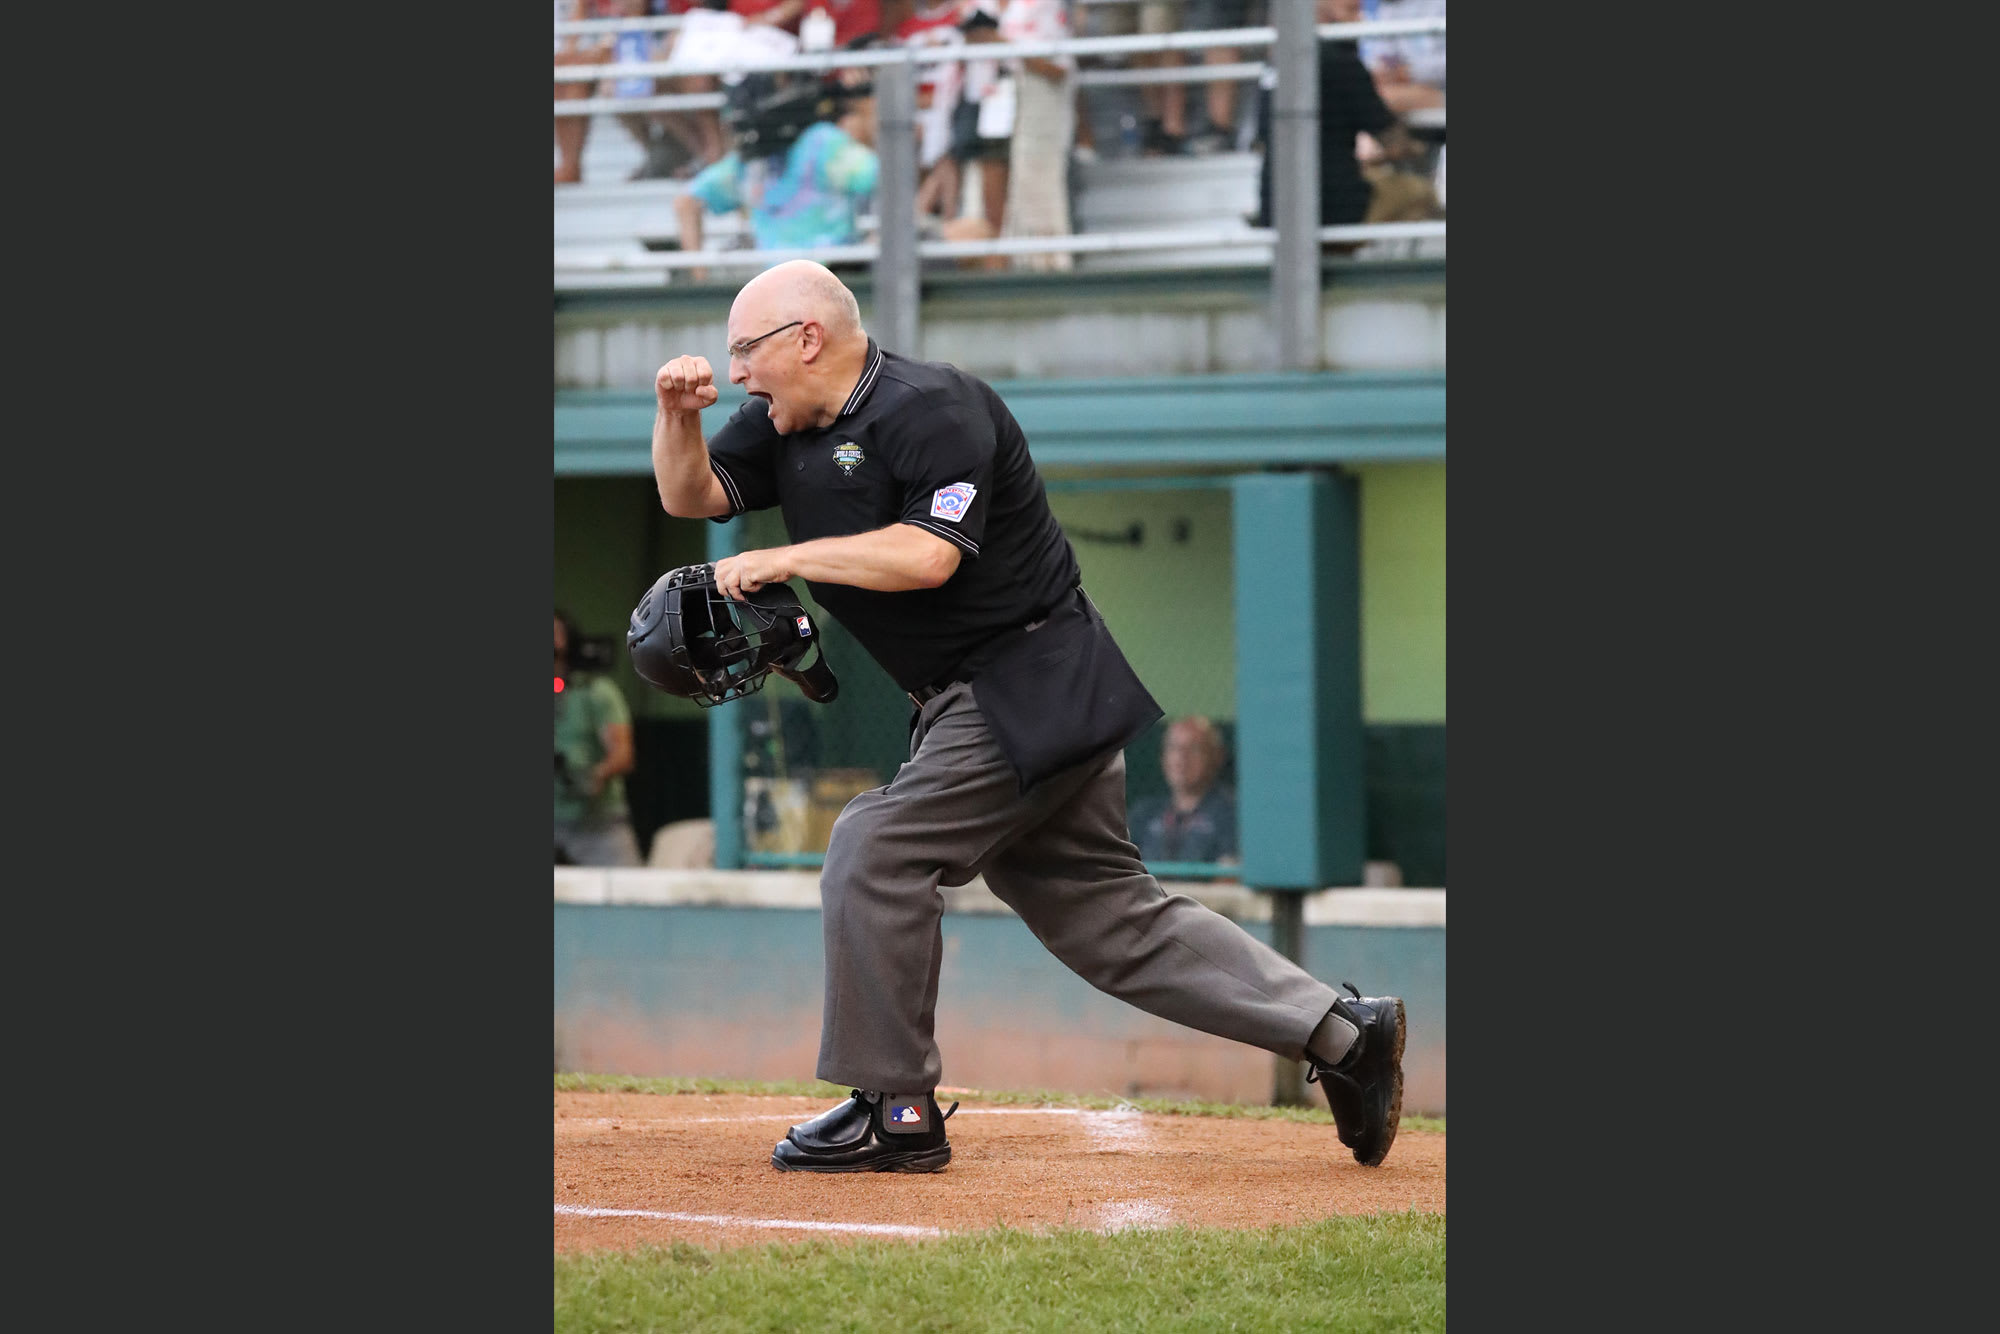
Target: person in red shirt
{"points": [[851, 18]]}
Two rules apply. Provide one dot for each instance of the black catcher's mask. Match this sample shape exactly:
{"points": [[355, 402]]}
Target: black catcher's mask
{"points": [[690, 639]]}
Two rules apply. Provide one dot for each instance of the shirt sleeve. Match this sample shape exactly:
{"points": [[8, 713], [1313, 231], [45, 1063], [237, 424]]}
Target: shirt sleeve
{"points": [[609, 706], [742, 455], [945, 462], [719, 185], [849, 168], [1351, 82]]}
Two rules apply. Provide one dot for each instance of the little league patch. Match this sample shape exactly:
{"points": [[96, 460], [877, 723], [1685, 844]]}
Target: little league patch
{"points": [[952, 501]]}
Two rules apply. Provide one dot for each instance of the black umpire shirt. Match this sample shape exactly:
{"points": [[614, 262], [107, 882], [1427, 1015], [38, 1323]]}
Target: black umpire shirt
{"points": [[922, 443]]}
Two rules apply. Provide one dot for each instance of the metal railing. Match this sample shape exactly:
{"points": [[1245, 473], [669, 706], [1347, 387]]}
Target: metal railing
{"points": [[897, 250], [958, 53], [1152, 238]]}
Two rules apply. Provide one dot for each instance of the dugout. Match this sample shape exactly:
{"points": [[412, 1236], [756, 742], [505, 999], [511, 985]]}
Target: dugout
{"points": [[1151, 475]]}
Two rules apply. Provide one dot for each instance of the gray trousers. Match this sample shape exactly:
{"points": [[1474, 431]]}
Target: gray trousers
{"points": [[1057, 855]]}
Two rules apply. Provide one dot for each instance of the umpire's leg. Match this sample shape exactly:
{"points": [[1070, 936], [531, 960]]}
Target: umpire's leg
{"points": [[940, 817], [1077, 881]]}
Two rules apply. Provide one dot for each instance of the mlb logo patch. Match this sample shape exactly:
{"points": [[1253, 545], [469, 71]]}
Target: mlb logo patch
{"points": [[906, 1114], [952, 501], [805, 627]]}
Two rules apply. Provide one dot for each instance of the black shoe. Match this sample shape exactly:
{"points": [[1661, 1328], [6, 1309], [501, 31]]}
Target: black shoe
{"points": [[870, 1132], [1365, 1091], [1211, 143]]}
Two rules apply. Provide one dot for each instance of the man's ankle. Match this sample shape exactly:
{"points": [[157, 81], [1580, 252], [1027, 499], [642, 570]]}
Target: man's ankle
{"points": [[1334, 1042]]}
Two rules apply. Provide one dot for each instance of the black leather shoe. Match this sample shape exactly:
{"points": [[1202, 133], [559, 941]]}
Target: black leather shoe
{"points": [[870, 1132], [1365, 1091]]}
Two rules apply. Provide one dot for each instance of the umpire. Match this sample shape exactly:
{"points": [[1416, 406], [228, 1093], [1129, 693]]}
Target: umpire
{"points": [[918, 520]]}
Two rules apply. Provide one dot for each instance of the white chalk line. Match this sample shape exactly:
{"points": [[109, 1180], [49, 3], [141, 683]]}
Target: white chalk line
{"points": [[1113, 1132], [1115, 1217], [1123, 1214], [1124, 1119], [730, 1220]]}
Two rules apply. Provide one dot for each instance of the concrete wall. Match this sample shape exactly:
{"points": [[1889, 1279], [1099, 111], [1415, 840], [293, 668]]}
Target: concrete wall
{"points": [[719, 974], [1383, 316]]}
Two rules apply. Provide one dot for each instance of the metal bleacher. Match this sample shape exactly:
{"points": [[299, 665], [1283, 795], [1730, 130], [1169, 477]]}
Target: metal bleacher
{"points": [[1142, 213], [608, 214]]}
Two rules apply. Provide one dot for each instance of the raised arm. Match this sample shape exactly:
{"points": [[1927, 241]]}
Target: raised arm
{"points": [[688, 486]]}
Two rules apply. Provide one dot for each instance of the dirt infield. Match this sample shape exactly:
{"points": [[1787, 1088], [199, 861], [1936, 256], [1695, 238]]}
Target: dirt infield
{"points": [[634, 1168]]}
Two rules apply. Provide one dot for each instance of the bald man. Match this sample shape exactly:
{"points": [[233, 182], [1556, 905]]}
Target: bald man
{"points": [[1196, 820], [918, 520]]}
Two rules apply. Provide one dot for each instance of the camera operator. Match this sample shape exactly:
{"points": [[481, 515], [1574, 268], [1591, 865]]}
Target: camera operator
{"points": [[593, 752], [802, 164]]}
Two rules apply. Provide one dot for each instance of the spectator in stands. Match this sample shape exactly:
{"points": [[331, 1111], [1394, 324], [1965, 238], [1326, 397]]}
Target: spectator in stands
{"points": [[778, 13], [852, 19], [1220, 95], [631, 46], [572, 131], [689, 140], [983, 124], [935, 23], [1043, 130], [593, 751], [1163, 106], [1409, 71], [700, 133], [808, 194], [1352, 120], [1196, 820]]}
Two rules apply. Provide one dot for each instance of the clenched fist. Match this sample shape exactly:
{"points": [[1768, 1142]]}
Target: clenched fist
{"points": [[685, 384]]}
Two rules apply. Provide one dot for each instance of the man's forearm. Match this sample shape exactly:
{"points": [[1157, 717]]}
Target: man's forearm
{"points": [[895, 559], [680, 465], [889, 560]]}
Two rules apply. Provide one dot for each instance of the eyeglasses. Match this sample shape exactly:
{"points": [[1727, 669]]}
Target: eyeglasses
{"points": [[743, 349]]}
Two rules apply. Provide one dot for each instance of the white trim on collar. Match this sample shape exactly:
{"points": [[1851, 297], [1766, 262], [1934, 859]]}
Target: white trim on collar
{"points": [[869, 373]]}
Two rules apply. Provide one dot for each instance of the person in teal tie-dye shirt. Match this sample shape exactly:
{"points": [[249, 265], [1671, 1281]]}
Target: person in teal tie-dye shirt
{"points": [[810, 195]]}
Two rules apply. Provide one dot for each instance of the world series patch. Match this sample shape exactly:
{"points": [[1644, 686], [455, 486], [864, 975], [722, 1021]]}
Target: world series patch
{"points": [[848, 456], [951, 502]]}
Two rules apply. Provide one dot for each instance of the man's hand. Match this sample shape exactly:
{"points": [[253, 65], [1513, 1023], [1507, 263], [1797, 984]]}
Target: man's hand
{"points": [[686, 384], [748, 571]]}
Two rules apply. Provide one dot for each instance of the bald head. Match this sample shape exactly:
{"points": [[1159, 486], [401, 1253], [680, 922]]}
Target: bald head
{"points": [[802, 340], [807, 291]]}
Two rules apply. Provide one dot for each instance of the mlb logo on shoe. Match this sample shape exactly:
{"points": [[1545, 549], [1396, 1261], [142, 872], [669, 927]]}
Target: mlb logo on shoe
{"points": [[805, 627], [906, 1114], [952, 501]]}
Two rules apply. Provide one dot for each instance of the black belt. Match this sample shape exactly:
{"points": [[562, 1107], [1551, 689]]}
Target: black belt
{"points": [[923, 695]]}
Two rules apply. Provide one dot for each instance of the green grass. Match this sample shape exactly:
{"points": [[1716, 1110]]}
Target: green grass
{"points": [[582, 1083], [1353, 1274]]}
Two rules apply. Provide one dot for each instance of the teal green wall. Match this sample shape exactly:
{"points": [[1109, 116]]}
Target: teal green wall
{"points": [[1402, 592], [661, 991], [1168, 603], [612, 541]]}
